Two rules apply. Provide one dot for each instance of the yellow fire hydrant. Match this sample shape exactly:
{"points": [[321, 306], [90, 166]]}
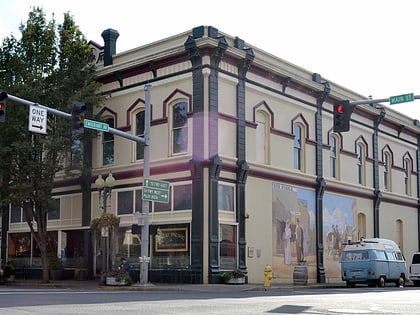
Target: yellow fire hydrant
{"points": [[268, 275]]}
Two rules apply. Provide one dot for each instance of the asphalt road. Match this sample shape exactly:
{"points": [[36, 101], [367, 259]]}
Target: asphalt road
{"points": [[359, 300]]}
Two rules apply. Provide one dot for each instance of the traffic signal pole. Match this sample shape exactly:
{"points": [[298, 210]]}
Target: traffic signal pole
{"points": [[343, 109], [381, 100], [69, 116]]}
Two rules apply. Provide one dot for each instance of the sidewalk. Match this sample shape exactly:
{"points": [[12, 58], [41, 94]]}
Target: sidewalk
{"points": [[96, 285]]}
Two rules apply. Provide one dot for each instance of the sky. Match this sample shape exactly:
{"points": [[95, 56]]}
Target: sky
{"points": [[368, 46]]}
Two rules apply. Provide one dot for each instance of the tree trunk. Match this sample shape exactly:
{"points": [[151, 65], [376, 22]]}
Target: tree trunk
{"points": [[44, 259], [40, 236]]}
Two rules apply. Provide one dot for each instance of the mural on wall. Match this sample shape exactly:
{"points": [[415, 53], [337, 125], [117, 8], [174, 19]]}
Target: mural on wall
{"points": [[294, 230], [339, 226]]}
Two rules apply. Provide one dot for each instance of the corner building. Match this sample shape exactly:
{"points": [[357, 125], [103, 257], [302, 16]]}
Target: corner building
{"points": [[257, 175]]}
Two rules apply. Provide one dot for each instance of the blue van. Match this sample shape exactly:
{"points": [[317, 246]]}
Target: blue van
{"points": [[374, 261]]}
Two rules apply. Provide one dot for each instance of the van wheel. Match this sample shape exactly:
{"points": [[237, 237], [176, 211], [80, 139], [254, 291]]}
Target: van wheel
{"points": [[349, 284], [416, 283], [381, 282]]}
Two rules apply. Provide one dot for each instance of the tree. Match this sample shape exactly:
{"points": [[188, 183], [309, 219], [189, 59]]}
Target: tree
{"points": [[48, 65]]}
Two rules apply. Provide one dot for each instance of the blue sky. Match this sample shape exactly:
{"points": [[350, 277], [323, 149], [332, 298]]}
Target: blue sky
{"points": [[366, 46]]}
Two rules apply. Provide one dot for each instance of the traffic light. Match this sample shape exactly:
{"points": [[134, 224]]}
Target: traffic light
{"points": [[78, 115], [3, 97], [342, 114]]}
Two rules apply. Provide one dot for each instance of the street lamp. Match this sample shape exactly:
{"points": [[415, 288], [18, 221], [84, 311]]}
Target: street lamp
{"points": [[105, 189]]}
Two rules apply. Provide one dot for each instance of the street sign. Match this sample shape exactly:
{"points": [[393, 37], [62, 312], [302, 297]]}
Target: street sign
{"points": [[404, 98], [97, 125], [37, 119], [155, 190]]}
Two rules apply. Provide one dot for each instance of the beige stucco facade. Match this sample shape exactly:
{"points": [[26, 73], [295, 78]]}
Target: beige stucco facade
{"points": [[243, 105]]}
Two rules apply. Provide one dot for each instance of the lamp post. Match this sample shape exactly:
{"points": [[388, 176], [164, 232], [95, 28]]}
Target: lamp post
{"points": [[105, 189]]}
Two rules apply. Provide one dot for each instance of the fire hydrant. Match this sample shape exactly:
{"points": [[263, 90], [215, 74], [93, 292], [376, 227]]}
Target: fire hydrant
{"points": [[268, 275]]}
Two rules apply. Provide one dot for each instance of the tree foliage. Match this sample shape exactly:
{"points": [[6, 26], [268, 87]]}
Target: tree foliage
{"points": [[47, 65]]}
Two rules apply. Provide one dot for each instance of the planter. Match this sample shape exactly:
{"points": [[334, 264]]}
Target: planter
{"points": [[10, 279], [112, 281], [300, 275], [236, 281]]}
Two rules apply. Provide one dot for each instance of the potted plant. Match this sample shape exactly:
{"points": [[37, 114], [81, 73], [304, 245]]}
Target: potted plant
{"points": [[9, 271], [118, 278], [55, 265], [233, 277]]}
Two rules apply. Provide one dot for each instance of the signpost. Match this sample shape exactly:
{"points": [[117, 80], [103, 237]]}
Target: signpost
{"points": [[404, 98], [97, 125], [37, 119], [156, 190]]}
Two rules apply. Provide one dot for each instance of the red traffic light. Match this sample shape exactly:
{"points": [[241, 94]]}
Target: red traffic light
{"points": [[342, 115], [2, 105], [339, 109]]}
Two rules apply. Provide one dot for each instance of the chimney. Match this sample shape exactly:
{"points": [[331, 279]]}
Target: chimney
{"points": [[110, 39]]}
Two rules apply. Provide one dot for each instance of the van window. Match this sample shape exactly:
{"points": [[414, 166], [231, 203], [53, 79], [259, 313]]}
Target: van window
{"points": [[391, 255], [356, 255], [380, 255], [416, 259]]}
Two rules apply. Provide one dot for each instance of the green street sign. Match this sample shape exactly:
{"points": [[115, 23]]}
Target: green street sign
{"points": [[97, 125], [155, 190], [404, 98]]}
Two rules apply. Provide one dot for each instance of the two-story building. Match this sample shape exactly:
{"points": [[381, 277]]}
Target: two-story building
{"points": [[257, 175]]}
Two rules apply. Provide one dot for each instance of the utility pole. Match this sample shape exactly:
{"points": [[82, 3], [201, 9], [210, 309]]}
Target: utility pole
{"points": [[145, 259]]}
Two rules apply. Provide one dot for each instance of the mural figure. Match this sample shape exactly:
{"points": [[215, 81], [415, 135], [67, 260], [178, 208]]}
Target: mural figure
{"points": [[299, 241], [287, 234]]}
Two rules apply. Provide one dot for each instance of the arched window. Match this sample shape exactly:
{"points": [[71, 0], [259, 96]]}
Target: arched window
{"points": [[407, 164], [108, 144], [140, 132], [179, 127], [262, 138], [386, 160], [361, 225], [399, 233], [298, 148], [361, 164], [333, 156]]}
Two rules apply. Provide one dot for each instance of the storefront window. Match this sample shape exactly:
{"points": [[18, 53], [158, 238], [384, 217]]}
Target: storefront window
{"points": [[20, 244], [228, 247], [129, 245], [170, 246]]}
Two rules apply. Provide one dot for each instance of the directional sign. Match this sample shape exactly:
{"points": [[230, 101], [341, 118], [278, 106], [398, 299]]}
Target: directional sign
{"points": [[155, 190], [97, 125], [37, 119], [404, 98]]}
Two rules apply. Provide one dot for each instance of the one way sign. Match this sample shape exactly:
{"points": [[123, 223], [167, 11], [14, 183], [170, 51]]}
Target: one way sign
{"points": [[37, 119]]}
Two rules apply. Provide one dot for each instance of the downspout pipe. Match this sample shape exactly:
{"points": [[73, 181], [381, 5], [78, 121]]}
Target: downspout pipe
{"points": [[376, 186], [321, 184]]}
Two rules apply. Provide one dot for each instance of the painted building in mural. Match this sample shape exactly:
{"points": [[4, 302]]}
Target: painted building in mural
{"points": [[257, 175]]}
